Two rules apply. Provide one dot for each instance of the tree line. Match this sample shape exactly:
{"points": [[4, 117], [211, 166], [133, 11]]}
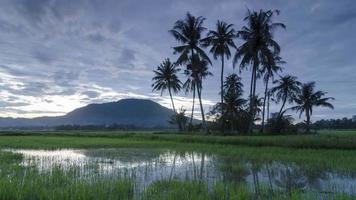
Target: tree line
{"points": [[253, 47]]}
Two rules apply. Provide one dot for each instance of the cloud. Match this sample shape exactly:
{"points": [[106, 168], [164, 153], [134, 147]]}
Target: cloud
{"points": [[60, 54]]}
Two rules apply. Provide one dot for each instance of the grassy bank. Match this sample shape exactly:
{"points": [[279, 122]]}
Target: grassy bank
{"points": [[325, 140]]}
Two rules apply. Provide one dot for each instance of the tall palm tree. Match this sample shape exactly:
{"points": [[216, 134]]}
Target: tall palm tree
{"points": [[286, 90], [188, 32], [220, 41], [269, 69], [259, 45], [234, 103], [197, 70], [165, 77], [309, 98]]}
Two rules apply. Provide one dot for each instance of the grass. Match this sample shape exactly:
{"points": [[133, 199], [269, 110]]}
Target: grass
{"points": [[338, 140]]}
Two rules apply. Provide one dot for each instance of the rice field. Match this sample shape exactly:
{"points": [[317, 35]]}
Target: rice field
{"points": [[126, 167]]}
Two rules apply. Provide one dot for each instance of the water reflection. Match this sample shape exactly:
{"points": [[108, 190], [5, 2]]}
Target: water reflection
{"points": [[149, 165]]}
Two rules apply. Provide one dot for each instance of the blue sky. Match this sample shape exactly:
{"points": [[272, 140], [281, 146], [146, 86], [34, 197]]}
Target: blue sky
{"points": [[57, 55]]}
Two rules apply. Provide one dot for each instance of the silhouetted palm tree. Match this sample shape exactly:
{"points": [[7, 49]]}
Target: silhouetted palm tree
{"points": [[270, 68], [188, 32], [197, 70], [307, 99], [166, 78], [221, 40], [259, 45], [286, 90], [234, 103]]}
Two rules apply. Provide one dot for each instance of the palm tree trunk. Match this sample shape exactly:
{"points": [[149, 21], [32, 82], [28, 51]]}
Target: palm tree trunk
{"points": [[269, 96], [222, 89], [222, 80], [264, 105], [191, 117], [252, 95], [194, 87], [201, 107], [308, 120], [280, 111], [170, 94]]}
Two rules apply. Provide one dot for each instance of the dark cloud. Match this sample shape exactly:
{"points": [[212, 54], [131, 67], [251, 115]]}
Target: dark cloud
{"points": [[91, 94], [44, 55], [127, 57], [96, 38], [13, 104], [63, 78]]}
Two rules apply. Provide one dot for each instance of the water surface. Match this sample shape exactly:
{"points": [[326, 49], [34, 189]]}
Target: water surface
{"points": [[145, 166]]}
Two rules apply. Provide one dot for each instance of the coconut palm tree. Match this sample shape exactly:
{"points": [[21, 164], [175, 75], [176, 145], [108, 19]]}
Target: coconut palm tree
{"points": [[286, 90], [188, 32], [259, 45], [166, 78], [220, 41], [234, 103], [230, 110], [309, 98], [269, 69], [196, 71]]}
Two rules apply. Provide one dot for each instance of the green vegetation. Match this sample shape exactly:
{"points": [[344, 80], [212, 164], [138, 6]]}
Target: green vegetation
{"points": [[324, 140]]}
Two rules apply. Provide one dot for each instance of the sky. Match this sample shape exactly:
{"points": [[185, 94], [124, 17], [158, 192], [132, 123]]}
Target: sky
{"points": [[58, 55]]}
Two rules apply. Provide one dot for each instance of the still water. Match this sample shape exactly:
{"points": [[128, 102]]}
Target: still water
{"points": [[145, 166]]}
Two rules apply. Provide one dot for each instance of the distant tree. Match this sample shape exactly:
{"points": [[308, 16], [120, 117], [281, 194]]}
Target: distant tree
{"points": [[259, 45], [220, 41], [165, 77], [269, 69], [179, 119], [188, 32], [286, 89], [308, 98]]}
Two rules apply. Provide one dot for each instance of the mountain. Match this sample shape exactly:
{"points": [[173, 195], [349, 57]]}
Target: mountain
{"points": [[136, 112]]}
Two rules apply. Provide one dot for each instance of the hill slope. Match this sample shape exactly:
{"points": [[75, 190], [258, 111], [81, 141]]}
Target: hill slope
{"points": [[137, 112]]}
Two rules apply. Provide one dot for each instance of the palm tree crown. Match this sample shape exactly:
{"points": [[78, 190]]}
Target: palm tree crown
{"points": [[233, 84], [188, 32], [308, 98], [258, 37], [221, 40], [166, 78], [286, 90]]}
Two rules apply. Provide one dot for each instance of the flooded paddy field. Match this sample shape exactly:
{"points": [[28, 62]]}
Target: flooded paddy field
{"points": [[175, 171]]}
